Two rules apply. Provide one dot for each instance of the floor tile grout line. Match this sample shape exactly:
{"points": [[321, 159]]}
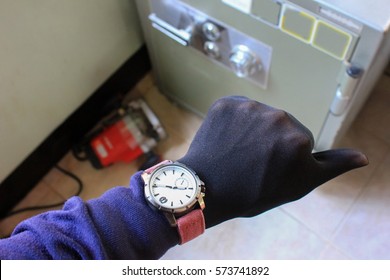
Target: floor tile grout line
{"points": [[341, 252], [330, 240], [326, 241], [372, 133], [361, 193], [62, 176], [306, 226], [33, 204]]}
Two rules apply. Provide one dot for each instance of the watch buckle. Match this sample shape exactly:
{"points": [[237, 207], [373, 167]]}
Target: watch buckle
{"points": [[171, 219], [201, 201]]}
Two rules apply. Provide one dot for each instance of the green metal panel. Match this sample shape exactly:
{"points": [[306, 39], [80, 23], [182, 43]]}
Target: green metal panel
{"points": [[267, 10], [331, 40], [298, 24], [296, 84]]}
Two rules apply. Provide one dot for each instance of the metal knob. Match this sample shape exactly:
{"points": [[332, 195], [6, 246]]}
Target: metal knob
{"points": [[211, 31], [244, 62], [212, 49]]}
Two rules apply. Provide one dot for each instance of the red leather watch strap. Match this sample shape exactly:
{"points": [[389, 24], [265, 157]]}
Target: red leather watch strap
{"points": [[191, 225]]}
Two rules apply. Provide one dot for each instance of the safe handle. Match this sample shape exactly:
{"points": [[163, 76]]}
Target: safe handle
{"points": [[179, 35]]}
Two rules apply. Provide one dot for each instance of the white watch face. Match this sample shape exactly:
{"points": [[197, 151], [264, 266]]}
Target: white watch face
{"points": [[173, 186]]}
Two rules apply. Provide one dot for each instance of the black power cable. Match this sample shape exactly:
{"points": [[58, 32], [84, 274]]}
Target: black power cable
{"points": [[40, 207]]}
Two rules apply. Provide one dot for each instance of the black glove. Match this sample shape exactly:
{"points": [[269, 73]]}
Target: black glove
{"points": [[253, 157]]}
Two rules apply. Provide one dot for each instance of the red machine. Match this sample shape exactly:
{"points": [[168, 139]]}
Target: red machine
{"points": [[130, 133]]}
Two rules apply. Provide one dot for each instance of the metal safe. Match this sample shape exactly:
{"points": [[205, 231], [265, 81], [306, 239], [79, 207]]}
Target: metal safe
{"points": [[317, 60]]}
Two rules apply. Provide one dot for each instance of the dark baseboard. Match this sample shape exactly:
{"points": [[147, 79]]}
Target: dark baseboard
{"points": [[60, 141]]}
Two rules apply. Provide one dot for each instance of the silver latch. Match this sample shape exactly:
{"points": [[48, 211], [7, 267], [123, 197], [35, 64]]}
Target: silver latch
{"points": [[345, 90]]}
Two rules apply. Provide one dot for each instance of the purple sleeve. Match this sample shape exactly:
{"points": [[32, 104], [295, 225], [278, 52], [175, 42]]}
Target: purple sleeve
{"points": [[117, 225]]}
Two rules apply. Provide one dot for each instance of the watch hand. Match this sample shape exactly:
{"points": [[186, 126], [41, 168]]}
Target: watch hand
{"points": [[176, 188], [162, 186]]}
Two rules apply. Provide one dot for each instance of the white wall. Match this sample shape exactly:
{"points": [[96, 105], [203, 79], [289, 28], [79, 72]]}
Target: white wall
{"points": [[53, 55]]}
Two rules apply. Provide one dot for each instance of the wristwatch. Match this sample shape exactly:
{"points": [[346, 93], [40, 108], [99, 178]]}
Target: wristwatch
{"points": [[177, 191]]}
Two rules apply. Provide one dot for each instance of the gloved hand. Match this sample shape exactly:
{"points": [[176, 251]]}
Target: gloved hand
{"points": [[253, 157]]}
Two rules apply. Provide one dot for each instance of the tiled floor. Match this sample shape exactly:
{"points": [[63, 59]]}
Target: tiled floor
{"points": [[346, 218]]}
